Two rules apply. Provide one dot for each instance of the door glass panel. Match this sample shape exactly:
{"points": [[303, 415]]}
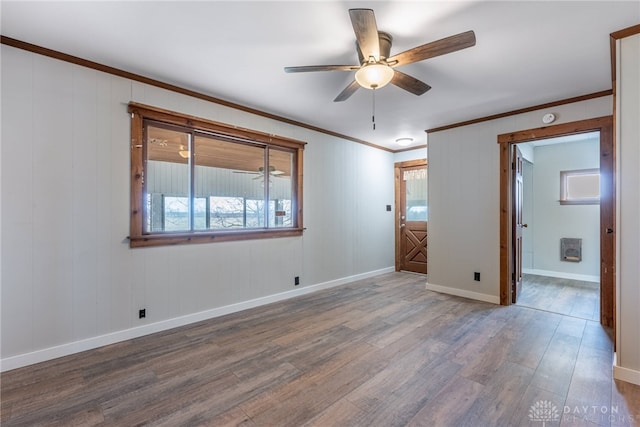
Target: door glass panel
{"points": [[416, 194]]}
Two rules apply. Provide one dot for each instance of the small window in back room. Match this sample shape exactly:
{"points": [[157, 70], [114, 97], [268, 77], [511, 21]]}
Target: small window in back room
{"points": [[580, 187]]}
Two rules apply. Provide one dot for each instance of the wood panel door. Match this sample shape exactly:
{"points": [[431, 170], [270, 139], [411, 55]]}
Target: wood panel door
{"points": [[516, 212], [607, 227], [411, 216]]}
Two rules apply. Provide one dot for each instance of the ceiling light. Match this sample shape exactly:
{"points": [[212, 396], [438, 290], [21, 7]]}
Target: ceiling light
{"points": [[183, 152], [374, 75], [404, 141]]}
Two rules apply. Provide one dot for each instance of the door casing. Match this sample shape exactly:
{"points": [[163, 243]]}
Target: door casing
{"points": [[398, 203], [607, 205]]}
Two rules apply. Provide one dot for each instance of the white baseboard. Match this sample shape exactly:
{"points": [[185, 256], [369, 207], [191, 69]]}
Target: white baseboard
{"points": [[626, 374], [562, 275], [463, 293], [21, 360]]}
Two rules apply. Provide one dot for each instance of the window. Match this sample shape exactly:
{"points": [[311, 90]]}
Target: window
{"points": [[580, 187], [196, 181]]}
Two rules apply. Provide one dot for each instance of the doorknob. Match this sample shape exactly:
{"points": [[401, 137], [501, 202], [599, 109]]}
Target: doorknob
{"points": [[402, 225], [525, 225]]}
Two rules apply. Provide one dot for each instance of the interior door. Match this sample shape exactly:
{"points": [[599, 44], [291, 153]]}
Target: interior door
{"points": [[411, 222], [516, 222], [607, 228]]}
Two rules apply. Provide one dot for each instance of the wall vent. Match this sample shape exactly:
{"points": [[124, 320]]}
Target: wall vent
{"points": [[570, 249]]}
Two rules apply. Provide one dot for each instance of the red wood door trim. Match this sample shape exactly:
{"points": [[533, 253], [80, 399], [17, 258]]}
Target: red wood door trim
{"points": [[398, 206], [607, 205]]}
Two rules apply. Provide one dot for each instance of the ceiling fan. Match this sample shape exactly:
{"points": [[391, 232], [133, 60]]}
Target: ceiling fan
{"points": [[260, 172], [377, 67]]}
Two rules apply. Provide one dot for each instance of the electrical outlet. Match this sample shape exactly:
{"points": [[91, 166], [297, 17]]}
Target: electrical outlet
{"points": [[296, 281], [142, 313], [388, 208], [476, 276]]}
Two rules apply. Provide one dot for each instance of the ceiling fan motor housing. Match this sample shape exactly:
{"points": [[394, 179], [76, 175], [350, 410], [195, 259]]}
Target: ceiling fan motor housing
{"points": [[385, 47]]}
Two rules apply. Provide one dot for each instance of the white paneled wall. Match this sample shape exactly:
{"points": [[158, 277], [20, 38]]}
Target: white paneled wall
{"points": [[628, 226], [464, 199], [69, 280]]}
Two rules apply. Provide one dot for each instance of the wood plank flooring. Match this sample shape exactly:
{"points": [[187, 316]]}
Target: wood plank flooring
{"points": [[377, 352], [564, 296]]}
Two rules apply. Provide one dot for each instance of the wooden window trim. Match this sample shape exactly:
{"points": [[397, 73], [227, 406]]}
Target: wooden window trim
{"points": [[137, 236]]}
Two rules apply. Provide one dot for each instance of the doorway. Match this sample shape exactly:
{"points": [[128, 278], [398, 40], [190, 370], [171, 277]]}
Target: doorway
{"points": [[411, 216], [603, 125], [559, 225]]}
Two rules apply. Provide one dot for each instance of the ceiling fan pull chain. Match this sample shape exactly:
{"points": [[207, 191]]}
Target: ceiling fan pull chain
{"points": [[373, 115]]}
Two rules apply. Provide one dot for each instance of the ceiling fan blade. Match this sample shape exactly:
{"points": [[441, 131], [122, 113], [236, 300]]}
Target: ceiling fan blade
{"points": [[305, 69], [433, 49], [247, 173], [408, 83], [366, 30], [347, 92]]}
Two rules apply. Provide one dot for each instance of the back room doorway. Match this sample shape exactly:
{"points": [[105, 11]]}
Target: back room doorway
{"points": [[510, 221], [560, 253]]}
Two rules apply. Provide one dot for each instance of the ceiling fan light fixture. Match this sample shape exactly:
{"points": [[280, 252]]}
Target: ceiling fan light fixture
{"points": [[183, 152], [403, 142], [374, 75]]}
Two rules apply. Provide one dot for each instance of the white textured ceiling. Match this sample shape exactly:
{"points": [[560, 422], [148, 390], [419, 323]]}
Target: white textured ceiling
{"points": [[527, 53]]}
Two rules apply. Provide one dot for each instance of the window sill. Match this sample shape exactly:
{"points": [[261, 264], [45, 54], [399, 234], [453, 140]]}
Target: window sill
{"points": [[169, 239], [579, 202]]}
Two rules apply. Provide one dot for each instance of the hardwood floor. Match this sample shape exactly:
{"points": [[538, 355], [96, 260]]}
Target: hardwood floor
{"points": [[377, 352], [564, 296]]}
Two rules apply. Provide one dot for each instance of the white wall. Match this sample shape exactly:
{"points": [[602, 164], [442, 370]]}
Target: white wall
{"points": [[464, 198], [628, 224], [403, 156], [69, 280], [552, 221]]}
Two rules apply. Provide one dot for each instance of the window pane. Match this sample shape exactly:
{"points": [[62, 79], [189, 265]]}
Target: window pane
{"points": [[580, 186], [280, 188], [255, 213], [200, 213], [228, 173], [176, 213], [167, 180], [226, 212], [583, 186]]}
